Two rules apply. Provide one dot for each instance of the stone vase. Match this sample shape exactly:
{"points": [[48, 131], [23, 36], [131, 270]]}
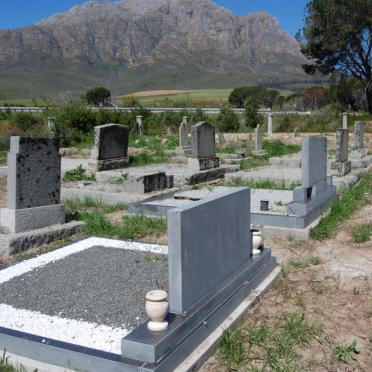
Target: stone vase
{"points": [[157, 309], [257, 242]]}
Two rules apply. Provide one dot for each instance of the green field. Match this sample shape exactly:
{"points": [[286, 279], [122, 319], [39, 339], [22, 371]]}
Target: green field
{"points": [[190, 96]]}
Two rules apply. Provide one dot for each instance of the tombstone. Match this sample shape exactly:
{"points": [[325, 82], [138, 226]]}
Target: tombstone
{"points": [[270, 125], [221, 139], [358, 151], [148, 182], [341, 165], [258, 151], [139, 124], [211, 271], [344, 120], [110, 147], [317, 190], [183, 134], [203, 148], [33, 184]]}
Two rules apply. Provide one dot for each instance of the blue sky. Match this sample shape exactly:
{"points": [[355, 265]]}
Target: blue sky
{"points": [[18, 13]]}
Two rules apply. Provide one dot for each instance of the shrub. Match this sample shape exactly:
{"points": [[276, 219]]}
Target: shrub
{"points": [[228, 120]]}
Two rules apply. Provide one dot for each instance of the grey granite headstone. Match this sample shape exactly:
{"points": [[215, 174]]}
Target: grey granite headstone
{"points": [[208, 242], [314, 160], [34, 173], [139, 124], [33, 185], [110, 147], [221, 139], [341, 165], [203, 140]]}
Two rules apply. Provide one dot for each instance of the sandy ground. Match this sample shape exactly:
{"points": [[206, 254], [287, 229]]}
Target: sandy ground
{"points": [[336, 294]]}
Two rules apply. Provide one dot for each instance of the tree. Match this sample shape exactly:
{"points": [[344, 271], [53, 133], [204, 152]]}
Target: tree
{"points": [[228, 120], [261, 95], [252, 118], [98, 96], [337, 36]]}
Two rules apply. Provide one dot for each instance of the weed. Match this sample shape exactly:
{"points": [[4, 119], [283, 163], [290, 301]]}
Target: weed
{"points": [[78, 174], [231, 348], [362, 233], [120, 180], [346, 353], [3, 157], [5, 366], [348, 202], [261, 184]]}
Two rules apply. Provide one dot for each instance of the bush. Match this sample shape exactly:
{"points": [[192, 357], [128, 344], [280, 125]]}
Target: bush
{"points": [[252, 118], [25, 121], [228, 120]]}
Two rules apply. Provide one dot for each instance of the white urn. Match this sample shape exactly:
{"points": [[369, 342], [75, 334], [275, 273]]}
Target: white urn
{"points": [[257, 242], [157, 309]]}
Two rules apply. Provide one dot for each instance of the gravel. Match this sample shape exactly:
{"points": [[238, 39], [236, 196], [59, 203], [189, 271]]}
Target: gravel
{"points": [[100, 285]]}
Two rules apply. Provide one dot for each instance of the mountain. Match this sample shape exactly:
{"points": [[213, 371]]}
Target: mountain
{"points": [[147, 44]]}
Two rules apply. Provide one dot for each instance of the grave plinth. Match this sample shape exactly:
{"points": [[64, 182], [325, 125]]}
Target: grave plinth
{"points": [[110, 148]]}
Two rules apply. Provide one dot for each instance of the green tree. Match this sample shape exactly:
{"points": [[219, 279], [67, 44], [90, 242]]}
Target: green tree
{"points": [[338, 36], [98, 96], [252, 118], [261, 95], [228, 120]]}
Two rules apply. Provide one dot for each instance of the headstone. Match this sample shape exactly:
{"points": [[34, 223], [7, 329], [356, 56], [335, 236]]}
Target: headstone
{"points": [[314, 160], [359, 151], [208, 241], [203, 147], [221, 139], [33, 184], [110, 147], [317, 190], [270, 125], [139, 124], [344, 120], [258, 150], [341, 165], [183, 135]]}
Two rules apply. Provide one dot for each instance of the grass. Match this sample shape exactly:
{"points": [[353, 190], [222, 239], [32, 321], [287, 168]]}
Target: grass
{"points": [[349, 201], [273, 148], [362, 233], [5, 366], [262, 184], [78, 174], [268, 346], [130, 228]]}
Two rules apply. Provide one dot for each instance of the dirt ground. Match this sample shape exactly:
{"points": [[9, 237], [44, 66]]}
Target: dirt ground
{"points": [[336, 294]]}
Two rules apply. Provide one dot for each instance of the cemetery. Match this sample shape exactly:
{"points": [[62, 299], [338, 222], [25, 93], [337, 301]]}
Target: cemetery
{"points": [[99, 303]]}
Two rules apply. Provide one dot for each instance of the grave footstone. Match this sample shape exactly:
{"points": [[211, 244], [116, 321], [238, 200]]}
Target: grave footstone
{"points": [[33, 184], [110, 147], [358, 151], [258, 151], [341, 166], [203, 147]]}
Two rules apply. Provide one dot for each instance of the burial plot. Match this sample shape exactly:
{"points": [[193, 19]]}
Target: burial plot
{"points": [[341, 166], [258, 150], [33, 195], [87, 324], [203, 148], [110, 147]]}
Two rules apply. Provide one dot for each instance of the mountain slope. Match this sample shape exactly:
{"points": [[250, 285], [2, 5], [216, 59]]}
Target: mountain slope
{"points": [[149, 44]]}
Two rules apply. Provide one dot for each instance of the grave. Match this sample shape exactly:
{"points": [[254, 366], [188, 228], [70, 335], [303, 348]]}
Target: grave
{"points": [[258, 150], [139, 124], [97, 322], [344, 120], [34, 213], [183, 135], [110, 147], [203, 148], [341, 166], [358, 151], [270, 125]]}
